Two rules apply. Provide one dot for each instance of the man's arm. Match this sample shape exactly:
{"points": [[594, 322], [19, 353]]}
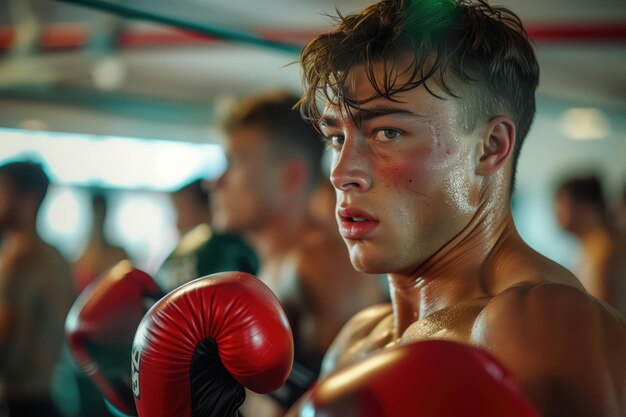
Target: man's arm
{"points": [[565, 349]]}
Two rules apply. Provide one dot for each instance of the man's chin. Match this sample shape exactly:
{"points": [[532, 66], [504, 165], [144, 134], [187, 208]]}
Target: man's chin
{"points": [[368, 264]]}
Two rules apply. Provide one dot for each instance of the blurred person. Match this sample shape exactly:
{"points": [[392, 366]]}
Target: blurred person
{"points": [[36, 292], [200, 250], [99, 254], [582, 211], [274, 166]]}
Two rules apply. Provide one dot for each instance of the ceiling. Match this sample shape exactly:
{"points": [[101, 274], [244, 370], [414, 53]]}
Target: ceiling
{"points": [[78, 66]]}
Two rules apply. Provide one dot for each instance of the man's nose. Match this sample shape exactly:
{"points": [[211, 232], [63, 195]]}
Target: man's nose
{"points": [[350, 168]]}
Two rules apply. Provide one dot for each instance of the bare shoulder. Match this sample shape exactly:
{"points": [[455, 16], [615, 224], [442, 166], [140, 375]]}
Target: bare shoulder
{"points": [[563, 309], [348, 344], [566, 349]]}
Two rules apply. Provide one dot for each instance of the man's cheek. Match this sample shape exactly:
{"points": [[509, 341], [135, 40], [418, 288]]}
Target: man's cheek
{"points": [[406, 169]]}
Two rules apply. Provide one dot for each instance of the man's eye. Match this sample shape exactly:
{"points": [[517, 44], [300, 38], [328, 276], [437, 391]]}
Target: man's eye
{"points": [[334, 141], [387, 134]]}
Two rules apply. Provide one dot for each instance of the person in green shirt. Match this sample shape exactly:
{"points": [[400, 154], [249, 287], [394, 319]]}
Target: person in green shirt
{"points": [[200, 250]]}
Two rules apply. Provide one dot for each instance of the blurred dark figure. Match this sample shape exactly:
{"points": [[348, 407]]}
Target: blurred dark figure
{"points": [[99, 254], [36, 292], [581, 210], [201, 251]]}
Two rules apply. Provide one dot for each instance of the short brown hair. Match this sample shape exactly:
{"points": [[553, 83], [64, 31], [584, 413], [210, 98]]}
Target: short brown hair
{"points": [[283, 127], [481, 54]]}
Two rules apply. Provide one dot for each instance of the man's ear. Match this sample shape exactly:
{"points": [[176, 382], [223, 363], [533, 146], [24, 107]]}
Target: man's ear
{"points": [[497, 145]]}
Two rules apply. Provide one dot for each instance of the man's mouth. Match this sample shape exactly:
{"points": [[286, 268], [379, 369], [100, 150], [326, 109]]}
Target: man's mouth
{"points": [[355, 224]]}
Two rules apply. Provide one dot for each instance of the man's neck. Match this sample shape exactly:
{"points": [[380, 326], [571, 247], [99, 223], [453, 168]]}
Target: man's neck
{"points": [[458, 272]]}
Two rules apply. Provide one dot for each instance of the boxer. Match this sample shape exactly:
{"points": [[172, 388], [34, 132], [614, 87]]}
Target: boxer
{"points": [[425, 106]]}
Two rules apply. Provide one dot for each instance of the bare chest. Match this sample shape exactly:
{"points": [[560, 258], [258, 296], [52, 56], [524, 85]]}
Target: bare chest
{"points": [[453, 323]]}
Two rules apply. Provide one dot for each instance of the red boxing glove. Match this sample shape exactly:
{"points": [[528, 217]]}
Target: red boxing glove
{"points": [[433, 378], [100, 328], [197, 347]]}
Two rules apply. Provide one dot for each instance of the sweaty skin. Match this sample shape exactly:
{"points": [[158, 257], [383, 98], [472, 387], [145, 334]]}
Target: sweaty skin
{"points": [[433, 212]]}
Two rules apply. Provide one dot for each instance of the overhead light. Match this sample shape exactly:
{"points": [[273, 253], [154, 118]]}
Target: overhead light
{"points": [[585, 124]]}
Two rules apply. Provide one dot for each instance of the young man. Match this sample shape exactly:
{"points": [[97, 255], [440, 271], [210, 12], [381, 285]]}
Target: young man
{"points": [[274, 164], [36, 292], [581, 210], [425, 106]]}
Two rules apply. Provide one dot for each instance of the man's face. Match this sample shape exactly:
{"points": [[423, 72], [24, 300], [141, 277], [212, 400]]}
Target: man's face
{"points": [[247, 195], [404, 176]]}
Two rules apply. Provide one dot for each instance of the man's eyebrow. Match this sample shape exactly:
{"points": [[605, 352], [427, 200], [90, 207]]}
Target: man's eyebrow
{"points": [[374, 112], [369, 114], [328, 121]]}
